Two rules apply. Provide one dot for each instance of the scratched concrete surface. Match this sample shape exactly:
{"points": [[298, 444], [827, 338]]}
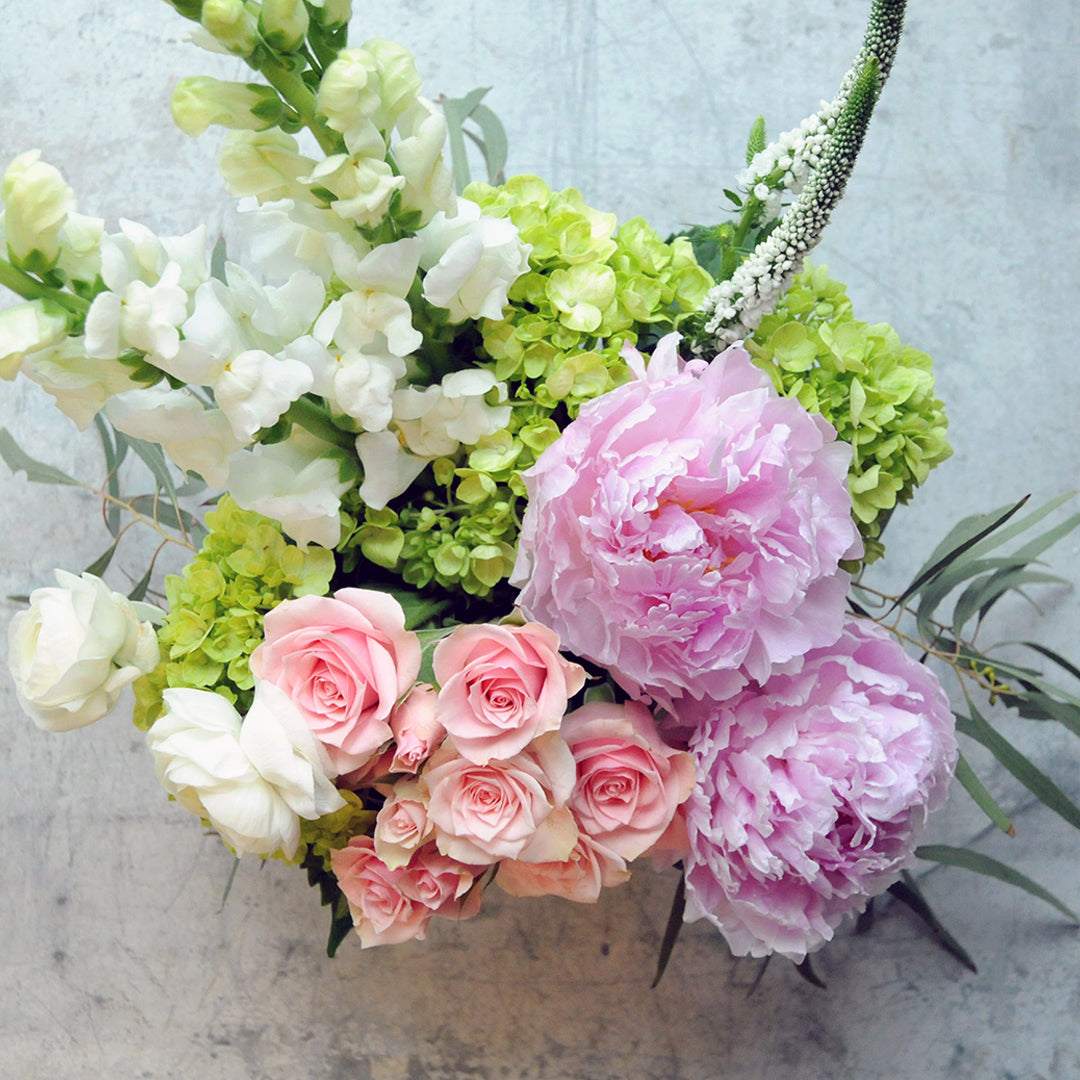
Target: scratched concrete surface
{"points": [[960, 227]]}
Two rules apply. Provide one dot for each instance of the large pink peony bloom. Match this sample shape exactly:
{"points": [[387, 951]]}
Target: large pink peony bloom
{"points": [[684, 531], [811, 792]]}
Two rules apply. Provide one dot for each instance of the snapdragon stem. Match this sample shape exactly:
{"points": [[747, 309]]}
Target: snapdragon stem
{"points": [[29, 288], [314, 418], [296, 93]]}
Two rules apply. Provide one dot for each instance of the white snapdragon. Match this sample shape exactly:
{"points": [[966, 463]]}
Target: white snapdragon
{"points": [[471, 261], [36, 201], [80, 247], [76, 648], [252, 778], [284, 236], [199, 101], [80, 384], [429, 184], [265, 164], [389, 467], [362, 186], [195, 438], [255, 389], [25, 328], [297, 482], [435, 420]]}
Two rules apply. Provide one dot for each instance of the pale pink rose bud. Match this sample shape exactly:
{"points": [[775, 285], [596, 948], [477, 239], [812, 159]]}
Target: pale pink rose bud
{"points": [[629, 781], [589, 868], [514, 809], [416, 730], [402, 824], [345, 661], [501, 687], [390, 906]]}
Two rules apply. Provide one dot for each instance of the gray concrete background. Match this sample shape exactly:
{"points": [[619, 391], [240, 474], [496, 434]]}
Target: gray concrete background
{"points": [[960, 227]]}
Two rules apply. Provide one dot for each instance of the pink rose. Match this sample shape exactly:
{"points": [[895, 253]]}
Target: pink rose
{"points": [[629, 781], [402, 824], [514, 809], [501, 686], [812, 791], [684, 532], [391, 906], [589, 868], [417, 731], [345, 661]]}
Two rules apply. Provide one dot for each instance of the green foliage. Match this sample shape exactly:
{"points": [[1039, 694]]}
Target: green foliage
{"points": [[876, 392], [246, 567]]}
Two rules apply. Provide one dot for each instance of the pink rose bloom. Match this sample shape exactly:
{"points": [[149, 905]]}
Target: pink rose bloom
{"points": [[513, 809], [402, 825], [684, 531], [501, 686], [391, 906], [345, 661], [417, 731], [812, 791], [589, 869], [629, 781]]}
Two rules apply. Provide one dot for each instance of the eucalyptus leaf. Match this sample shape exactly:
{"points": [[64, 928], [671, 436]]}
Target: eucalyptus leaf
{"points": [[141, 586], [1033, 778], [101, 563], [674, 926], [495, 146], [806, 969], [19, 461], [907, 891], [983, 864], [172, 517], [970, 782]]}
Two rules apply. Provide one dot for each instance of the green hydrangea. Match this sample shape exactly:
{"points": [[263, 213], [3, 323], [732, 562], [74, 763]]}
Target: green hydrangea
{"points": [[877, 392], [332, 831], [246, 567], [590, 288]]}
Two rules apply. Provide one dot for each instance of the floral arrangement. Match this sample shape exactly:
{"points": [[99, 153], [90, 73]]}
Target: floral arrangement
{"points": [[520, 544]]}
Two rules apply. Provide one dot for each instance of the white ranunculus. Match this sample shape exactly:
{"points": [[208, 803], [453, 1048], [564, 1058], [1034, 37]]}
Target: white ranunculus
{"points": [[80, 384], [194, 438], [25, 328], [253, 779], [471, 262], [36, 201], [76, 648], [297, 482]]}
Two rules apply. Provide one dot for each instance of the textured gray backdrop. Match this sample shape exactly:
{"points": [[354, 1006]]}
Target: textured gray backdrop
{"points": [[960, 227]]}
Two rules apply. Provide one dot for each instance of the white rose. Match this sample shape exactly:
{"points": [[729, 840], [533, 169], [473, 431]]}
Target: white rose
{"points": [[471, 262], [76, 648], [253, 779]]}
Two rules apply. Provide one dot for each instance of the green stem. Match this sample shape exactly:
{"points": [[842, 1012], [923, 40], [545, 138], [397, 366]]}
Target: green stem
{"points": [[314, 418], [29, 288], [296, 93]]}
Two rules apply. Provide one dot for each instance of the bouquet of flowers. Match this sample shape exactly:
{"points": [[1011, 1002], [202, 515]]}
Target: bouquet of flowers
{"points": [[519, 544]]}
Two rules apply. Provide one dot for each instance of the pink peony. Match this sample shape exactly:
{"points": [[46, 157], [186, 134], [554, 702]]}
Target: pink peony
{"points": [[589, 868], [812, 791], [629, 781], [391, 906], [501, 686], [345, 661], [684, 531], [514, 809]]}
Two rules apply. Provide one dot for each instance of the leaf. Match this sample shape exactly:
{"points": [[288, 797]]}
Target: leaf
{"points": [[152, 507], [1003, 536], [101, 563], [115, 445], [1033, 778], [457, 111], [961, 538], [217, 260], [19, 461], [229, 883], [967, 779], [495, 146], [907, 891], [674, 926], [806, 970], [340, 925], [1072, 669], [983, 864], [154, 457], [139, 591]]}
